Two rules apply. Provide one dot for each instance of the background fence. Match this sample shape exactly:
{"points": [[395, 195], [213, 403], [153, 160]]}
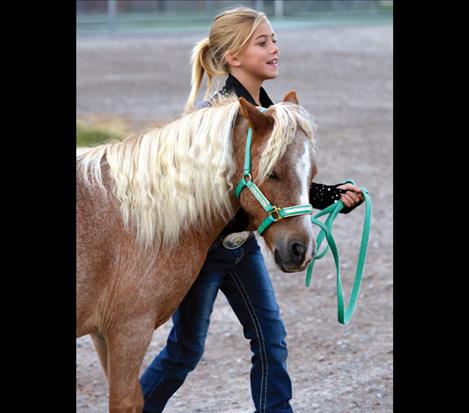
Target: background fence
{"points": [[110, 17]]}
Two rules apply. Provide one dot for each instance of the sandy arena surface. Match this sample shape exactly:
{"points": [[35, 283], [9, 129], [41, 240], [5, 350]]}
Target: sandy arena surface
{"points": [[343, 76]]}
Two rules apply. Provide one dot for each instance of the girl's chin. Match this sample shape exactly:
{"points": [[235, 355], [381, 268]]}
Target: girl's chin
{"points": [[271, 74]]}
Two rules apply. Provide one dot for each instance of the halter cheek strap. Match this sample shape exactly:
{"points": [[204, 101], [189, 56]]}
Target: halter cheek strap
{"points": [[274, 213]]}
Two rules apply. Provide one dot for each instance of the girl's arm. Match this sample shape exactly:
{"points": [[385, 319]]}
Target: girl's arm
{"points": [[321, 196]]}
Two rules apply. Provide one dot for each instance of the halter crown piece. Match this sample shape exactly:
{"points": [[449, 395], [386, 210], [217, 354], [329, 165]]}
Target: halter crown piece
{"points": [[276, 214]]}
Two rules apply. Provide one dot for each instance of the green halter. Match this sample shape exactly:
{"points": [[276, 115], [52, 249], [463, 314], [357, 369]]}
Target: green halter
{"points": [[276, 214]]}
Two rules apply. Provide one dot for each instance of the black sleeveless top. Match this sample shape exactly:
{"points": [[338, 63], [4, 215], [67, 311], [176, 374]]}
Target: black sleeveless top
{"points": [[320, 195]]}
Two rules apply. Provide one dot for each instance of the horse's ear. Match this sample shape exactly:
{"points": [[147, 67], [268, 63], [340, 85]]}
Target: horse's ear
{"points": [[259, 122], [291, 97]]}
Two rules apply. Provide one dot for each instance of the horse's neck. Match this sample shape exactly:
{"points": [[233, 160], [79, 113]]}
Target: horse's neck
{"points": [[212, 229]]}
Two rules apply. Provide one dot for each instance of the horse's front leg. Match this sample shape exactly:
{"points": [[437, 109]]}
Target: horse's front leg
{"points": [[101, 348], [126, 349]]}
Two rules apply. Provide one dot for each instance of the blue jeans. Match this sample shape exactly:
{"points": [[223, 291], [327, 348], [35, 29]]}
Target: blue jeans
{"points": [[242, 276]]}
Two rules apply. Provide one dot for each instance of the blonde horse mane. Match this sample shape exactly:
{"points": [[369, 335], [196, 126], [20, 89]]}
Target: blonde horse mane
{"points": [[178, 176]]}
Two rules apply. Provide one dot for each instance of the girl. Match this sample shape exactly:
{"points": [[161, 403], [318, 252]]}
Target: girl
{"points": [[242, 46]]}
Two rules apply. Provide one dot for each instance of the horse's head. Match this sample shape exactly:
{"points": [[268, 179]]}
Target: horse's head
{"points": [[282, 167]]}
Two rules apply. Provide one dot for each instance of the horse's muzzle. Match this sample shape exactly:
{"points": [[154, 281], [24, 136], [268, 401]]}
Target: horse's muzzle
{"points": [[291, 256]]}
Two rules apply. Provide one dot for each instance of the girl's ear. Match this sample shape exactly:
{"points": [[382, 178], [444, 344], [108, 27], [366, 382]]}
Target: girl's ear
{"points": [[291, 97], [260, 123], [232, 60]]}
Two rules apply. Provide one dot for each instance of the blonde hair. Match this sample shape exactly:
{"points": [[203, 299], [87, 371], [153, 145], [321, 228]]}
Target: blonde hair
{"points": [[230, 31], [167, 181]]}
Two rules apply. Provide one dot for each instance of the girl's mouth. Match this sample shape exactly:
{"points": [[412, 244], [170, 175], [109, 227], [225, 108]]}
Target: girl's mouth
{"points": [[273, 62]]}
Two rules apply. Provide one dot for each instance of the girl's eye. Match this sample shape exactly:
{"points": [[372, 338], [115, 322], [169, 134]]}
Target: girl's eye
{"points": [[264, 43], [274, 176]]}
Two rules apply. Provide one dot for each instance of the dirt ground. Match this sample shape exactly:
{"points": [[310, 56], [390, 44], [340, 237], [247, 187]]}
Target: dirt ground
{"points": [[344, 77]]}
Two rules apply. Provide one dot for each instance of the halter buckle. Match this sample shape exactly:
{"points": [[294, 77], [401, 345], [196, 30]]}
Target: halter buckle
{"points": [[276, 210]]}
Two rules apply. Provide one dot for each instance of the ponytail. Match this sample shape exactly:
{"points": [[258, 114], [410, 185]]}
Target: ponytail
{"points": [[199, 52]]}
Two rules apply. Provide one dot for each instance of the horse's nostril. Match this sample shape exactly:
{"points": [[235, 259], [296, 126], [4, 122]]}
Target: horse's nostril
{"points": [[298, 249]]}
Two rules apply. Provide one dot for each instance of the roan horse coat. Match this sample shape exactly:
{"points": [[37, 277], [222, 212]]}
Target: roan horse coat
{"points": [[137, 256]]}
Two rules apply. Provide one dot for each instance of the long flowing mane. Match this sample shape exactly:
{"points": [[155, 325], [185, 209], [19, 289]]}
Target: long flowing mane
{"points": [[179, 175]]}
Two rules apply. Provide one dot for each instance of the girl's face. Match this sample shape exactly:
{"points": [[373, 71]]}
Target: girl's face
{"points": [[259, 57]]}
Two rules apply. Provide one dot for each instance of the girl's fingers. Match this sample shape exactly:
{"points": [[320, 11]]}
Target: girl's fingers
{"points": [[348, 202], [350, 199], [355, 197]]}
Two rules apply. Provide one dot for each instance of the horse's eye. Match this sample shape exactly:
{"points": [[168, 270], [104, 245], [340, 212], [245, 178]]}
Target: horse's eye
{"points": [[273, 175]]}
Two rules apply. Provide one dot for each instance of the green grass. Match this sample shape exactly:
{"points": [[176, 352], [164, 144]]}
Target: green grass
{"points": [[91, 135]]}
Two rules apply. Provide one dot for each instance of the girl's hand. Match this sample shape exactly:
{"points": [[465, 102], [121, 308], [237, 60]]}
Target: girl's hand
{"points": [[353, 197]]}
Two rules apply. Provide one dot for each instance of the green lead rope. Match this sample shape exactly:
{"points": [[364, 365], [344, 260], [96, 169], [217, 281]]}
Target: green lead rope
{"points": [[344, 314]]}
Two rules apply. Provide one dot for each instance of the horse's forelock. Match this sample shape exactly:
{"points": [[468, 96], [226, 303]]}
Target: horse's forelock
{"points": [[289, 120]]}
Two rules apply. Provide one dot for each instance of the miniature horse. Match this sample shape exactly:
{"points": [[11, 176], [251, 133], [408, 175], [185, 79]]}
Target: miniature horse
{"points": [[149, 207]]}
